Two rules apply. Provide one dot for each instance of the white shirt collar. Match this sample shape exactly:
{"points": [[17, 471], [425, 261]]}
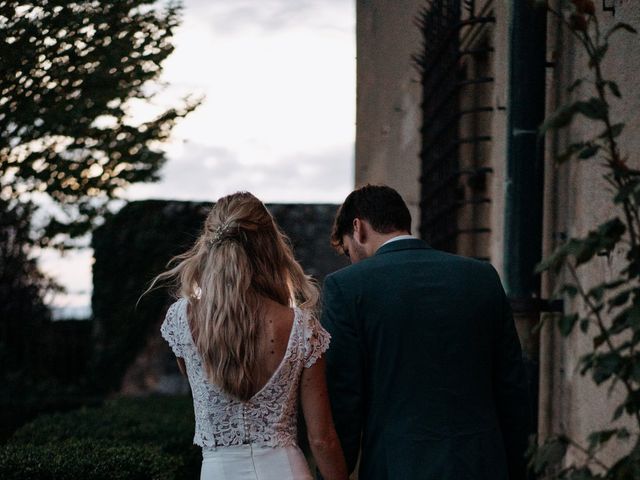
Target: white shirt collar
{"points": [[399, 237]]}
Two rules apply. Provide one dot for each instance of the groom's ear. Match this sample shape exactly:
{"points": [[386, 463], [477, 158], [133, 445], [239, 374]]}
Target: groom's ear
{"points": [[359, 231]]}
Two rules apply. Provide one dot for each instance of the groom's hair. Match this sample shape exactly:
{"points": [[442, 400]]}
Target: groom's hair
{"points": [[380, 205]]}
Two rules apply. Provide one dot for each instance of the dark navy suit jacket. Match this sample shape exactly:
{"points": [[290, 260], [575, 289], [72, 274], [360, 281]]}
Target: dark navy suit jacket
{"points": [[425, 368]]}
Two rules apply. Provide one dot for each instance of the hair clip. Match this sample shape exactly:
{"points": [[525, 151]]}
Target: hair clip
{"points": [[218, 233]]}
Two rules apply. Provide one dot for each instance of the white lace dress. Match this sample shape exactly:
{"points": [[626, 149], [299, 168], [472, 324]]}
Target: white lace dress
{"points": [[254, 439]]}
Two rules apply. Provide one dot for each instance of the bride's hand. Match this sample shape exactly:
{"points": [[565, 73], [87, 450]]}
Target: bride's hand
{"points": [[321, 432]]}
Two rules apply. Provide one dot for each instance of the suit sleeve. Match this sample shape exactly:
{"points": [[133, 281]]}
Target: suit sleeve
{"points": [[511, 390], [344, 370]]}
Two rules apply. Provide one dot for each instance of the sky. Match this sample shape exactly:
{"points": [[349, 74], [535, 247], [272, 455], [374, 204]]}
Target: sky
{"points": [[277, 78]]}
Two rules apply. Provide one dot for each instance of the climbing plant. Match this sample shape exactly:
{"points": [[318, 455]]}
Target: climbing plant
{"points": [[609, 312]]}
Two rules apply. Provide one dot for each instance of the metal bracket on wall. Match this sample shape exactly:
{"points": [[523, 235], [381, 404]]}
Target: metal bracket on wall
{"points": [[536, 305], [609, 6]]}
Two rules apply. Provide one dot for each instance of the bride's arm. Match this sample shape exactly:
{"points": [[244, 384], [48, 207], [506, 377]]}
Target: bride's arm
{"points": [[323, 439]]}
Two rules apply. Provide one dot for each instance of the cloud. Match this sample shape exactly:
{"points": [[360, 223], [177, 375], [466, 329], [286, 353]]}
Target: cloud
{"points": [[201, 172], [268, 15]]}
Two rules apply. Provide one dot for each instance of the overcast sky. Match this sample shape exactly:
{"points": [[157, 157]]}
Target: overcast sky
{"points": [[278, 77], [278, 116]]}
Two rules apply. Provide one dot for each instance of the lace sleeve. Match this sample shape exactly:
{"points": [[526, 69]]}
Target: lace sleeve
{"points": [[316, 340], [170, 330]]}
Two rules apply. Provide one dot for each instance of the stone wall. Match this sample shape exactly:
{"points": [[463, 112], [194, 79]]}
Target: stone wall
{"points": [[388, 98], [576, 200], [388, 146]]}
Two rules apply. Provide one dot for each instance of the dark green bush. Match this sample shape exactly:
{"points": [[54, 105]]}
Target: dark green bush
{"points": [[130, 249], [21, 401], [135, 244], [75, 459], [135, 438]]}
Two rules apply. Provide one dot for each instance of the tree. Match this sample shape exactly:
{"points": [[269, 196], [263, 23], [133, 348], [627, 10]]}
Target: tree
{"points": [[22, 288], [70, 73], [72, 76]]}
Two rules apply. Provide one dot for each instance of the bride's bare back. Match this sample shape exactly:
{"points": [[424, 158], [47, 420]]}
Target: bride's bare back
{"points": [[273, 339]]}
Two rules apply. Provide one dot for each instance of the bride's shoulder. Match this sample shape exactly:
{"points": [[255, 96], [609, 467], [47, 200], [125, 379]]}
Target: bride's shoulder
{"points": [[172, 328], [180, 302], [177, 309]]}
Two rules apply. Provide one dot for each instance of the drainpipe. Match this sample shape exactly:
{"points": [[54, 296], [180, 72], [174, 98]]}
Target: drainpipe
{"points": [[525, 175]]}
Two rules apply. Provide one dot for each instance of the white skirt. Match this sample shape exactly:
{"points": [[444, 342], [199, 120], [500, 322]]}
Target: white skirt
{"points": [[253, 462]]}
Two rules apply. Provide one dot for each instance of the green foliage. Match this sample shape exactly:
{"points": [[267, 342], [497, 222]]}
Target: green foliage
{"points": [[127, 438], [136, 244], [22, 288], [130, 249], [611, 307], [163, 421], [73, 76], [79, 459], [71, 73]]}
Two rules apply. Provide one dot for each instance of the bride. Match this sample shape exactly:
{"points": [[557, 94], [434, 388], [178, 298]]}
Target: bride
{"points": [[246, 334]]}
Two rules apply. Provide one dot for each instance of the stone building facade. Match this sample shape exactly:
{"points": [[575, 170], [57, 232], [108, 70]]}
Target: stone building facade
{"points": [[408, 119]]}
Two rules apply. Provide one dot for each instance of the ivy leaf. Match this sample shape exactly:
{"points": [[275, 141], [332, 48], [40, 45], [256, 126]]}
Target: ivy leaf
{"points": [[575, 85], [554, 261], [613, 86], [597, 292], [614, 284], [623, 434], [580, 473], [620, 298], [593, 108], [549, 453], [635, 369], [622, 320], [570, 152], [634, 318], [616, 130], [601, 437], [618, 412], [605, 365], [603, 239], [570, 290], [598, 54], [560, 118], [630, 189], [584, 325], [599, 340], [589, 151], [621, 26], [566, 323]]}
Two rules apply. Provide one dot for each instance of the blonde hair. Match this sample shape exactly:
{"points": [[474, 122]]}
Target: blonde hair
{"points": [[240, 258]]}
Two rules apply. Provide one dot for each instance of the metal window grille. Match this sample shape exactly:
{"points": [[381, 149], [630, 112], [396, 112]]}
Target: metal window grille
{"points": [[455, 130]]}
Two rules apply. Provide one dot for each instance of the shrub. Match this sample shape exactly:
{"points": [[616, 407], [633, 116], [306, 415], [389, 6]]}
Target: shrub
{"points": [[83, 459], [134, 438]]}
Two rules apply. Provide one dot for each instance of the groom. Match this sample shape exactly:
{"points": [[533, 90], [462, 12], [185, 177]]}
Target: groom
{"points": [[425, 368]]}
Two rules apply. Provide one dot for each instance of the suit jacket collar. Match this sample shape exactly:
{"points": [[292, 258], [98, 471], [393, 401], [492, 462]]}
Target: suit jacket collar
{"points": [[408, 244]]}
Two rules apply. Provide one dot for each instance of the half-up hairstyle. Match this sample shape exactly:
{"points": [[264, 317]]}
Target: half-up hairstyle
{"points": [[240, 258]]}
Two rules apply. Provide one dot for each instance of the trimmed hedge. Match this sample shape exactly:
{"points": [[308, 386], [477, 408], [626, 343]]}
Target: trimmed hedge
{"points": [[128, 438], [135, 244], [130, 249], [81, 459]]}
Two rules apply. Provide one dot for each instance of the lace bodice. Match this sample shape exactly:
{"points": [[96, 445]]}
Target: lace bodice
{"points": [[270, 416]]}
